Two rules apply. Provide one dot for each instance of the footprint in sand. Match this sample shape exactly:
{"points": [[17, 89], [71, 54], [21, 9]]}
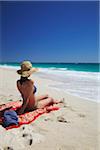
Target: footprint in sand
{"points": [[67, 147], [32, 138], [30, 141], [65, 105], [8, 148], [62, 119], [81, 115], [62, 102], [48, 119], [10, 100], [70, 108], [22, 128], [29, 136], [25, 134]]}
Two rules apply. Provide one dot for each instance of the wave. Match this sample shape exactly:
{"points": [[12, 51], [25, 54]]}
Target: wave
{"points": [[64, 73], [56, 70], [9, 66], [82, 84]]}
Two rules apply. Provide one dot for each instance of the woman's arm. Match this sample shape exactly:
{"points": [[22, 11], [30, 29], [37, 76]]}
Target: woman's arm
{"points": [[33, 70], [36, 69]]}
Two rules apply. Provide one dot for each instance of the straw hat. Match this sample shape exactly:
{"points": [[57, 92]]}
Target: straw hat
{"points": [[26, 69]]}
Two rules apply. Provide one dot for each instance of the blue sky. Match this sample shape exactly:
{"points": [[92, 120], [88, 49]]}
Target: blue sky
{"points": [[63, 31]]}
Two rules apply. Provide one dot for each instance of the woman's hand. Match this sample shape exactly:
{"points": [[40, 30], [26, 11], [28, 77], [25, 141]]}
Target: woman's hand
{"points": [[35, 69]]}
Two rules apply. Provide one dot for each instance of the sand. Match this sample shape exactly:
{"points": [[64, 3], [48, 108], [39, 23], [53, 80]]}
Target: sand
{"points": [[75, 126]]}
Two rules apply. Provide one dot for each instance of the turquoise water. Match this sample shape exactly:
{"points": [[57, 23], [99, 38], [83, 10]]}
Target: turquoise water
{"points": [[87, 67]]}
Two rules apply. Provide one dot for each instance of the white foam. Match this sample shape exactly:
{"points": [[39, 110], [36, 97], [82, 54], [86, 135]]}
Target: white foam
{"points": [[82, 84], [9, 67]]}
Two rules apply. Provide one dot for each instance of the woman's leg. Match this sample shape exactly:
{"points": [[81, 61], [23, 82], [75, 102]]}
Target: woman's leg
{"points": [[42, 97], [46, 102]]}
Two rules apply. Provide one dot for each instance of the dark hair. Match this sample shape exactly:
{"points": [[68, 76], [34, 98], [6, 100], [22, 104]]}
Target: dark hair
{"points": [[23, 79]]}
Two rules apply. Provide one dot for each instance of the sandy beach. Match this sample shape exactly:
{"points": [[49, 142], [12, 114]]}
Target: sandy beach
{"points": [[75, 126]]}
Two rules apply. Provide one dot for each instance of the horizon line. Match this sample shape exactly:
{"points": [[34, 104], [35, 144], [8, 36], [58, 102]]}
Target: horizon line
{"points": [[51, 62]]}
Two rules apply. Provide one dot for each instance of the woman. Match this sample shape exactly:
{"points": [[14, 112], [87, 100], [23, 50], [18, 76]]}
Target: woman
{"points": [[27, 89]]}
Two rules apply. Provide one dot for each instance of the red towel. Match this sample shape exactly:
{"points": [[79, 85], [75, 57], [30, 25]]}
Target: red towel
{"points": [[27, 117]]}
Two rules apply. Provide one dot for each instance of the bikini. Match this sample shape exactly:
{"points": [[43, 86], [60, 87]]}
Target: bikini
{"points": [[35, 89]]}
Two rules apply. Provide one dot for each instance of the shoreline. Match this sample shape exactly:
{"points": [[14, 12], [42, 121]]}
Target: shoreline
{"points": [[79, 131]]}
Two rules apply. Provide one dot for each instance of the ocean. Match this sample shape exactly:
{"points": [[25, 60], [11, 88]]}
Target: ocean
{"points": [[81, 79]]}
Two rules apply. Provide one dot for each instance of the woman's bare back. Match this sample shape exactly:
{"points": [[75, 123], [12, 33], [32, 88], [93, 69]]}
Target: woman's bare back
{"points": [[26, 90]]}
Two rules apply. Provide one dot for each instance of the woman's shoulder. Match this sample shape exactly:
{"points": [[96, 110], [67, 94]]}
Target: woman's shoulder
{"points": [[31, 81], [18, 81]]}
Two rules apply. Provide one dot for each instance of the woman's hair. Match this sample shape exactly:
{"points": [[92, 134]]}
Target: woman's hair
{"points": [[23, 79]]}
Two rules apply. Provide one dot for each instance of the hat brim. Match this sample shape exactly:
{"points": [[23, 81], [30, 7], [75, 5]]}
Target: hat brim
{"points": [[26, 73]]}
